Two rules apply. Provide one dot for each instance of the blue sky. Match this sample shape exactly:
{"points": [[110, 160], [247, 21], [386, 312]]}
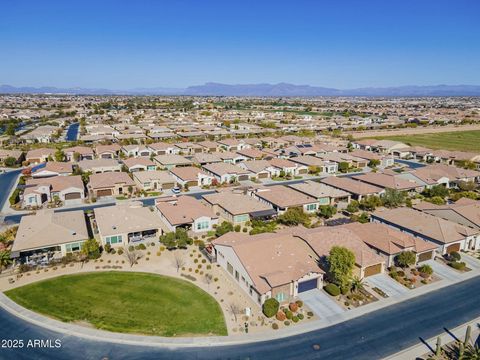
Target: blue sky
{"points": [[152, 43]]}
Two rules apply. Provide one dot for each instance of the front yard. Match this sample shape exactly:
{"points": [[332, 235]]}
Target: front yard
{"points": [[127, 302]]}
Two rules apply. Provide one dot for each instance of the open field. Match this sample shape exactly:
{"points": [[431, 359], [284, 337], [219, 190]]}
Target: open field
{"points": [[458, 140], [411, 131], [126, 302]]}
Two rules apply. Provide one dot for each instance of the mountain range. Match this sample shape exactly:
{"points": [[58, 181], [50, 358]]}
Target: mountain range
{"points": [[273, 90]]}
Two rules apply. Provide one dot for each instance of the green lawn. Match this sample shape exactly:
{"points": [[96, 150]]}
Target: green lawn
{"points": [[455, 140], [126, 302]]}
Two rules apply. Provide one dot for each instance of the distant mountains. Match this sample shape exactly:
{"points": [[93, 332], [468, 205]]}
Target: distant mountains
{"points": [[274, 90]]}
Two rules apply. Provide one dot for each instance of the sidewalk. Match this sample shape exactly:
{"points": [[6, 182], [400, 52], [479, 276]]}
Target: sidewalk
{"points": [[422, 348]]}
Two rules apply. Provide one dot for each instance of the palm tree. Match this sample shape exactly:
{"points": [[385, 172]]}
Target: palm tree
{"points": [[5, 259], [356, 284], [472, 352]]}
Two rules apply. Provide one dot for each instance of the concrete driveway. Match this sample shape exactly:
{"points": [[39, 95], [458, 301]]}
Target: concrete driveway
{"points": [[321, 303], [386, 284], [471, 262], [445, 271]]}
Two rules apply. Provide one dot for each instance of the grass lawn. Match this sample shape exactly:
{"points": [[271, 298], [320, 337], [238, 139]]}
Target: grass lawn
{"points": [[126, 302], [455, 140]]}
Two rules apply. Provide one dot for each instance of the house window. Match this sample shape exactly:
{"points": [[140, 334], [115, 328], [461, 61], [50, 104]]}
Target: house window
{"points": [[311, 207], [241, 218], [203, 225], [237, 275], [113, 239], [229, 268], [280, 297], [73, 247]]}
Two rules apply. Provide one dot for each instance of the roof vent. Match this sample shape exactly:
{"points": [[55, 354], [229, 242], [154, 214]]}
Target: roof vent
{"points": [[114, 227]]}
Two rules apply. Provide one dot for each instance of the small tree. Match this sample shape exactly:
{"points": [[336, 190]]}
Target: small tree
{"points": [[406, 259], [294, 216], [223, 228], [343, 167], [353, 206], [208, 278], [270, 307], [10, 161], [235, 309], [393, 198], [91, 249], [5, 259], [340, 265], [327, 211], [59, 155], [179, 261], [132, 255], [373, 163], [370, 203]]}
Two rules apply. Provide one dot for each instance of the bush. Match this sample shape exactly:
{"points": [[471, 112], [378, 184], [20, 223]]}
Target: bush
{"points": [[401, 273], [455, 256], [270, 307], [244, 229], [120, 251], [237, 228], [309, 313], [300, 316], [223, 228], [107, 248], [426, 269], [275, 326], [299, 303], [281, 316], [287, 323], [295, 319], [288, 314], [406, 259], [332, 289], [293, 307], [457, 265]]}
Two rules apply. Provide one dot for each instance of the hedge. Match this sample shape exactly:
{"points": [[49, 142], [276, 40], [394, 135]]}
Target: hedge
{"points": [[457, 265], [332, 289]]}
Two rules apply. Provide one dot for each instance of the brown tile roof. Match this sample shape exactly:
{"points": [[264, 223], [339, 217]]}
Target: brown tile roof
{"points": [[110, 179], [352, 186], [184, 210], [283, 196], [236, 204]]}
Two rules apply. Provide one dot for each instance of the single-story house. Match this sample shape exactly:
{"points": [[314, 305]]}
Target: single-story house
{"points": [[327, 167], [238, 208], [109, 184], [170, 161], [137, 151], [127, 224], [101, 165], [67, 188], [37, 156], [161, 148], [107, 151], [139, 164], [154, 180], [389, 181], [53, 168], [325, 194], [447, 235], [77, 153], [191, 176], [226, 172], [186, 212], [358, 189], [49, 235], [281, 198], [278, 165]]}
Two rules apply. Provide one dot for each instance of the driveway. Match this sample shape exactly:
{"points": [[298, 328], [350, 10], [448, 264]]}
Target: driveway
{"points": [[445, 271], [386, 284], [321, 303], [471, 262]]}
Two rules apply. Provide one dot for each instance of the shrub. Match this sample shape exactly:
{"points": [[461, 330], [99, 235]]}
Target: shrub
{"points": [[288, 314], [455, 256], [300, 316], [295, 319], [309, 313], [406, 259], [237, 228], [332, 289], [426, 269], [270, 307], [275, 326], [107, 248], [120, 251], [131, 248], [457, 265], [401, 273], [293, 307], [281, 316], [299, 303], [244, 230], [287, 323]]}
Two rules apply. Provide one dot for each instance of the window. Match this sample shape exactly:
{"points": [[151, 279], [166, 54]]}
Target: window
{"points": [[202, 225], [229, 268], [237, 275], [241, 218], [280, 297], [113, 239], [311, 207], [73, 247]]}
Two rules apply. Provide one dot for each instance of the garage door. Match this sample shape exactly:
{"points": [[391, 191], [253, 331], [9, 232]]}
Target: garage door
{"points": [[425, 256], [302, 171], [106, 192], [307, 285], [243, 177], [453, 247], [262, 175], [168, 185], [372, 270], [192, 183], [72, 196]]}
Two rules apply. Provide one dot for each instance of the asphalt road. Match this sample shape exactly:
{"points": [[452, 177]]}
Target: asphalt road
{"points": [[372, 336]]}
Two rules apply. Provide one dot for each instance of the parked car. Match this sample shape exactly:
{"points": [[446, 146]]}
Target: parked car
{"points": [[176, 190]]}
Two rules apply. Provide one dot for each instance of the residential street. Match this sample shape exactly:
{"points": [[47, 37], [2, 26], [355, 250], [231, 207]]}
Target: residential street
{"points": [[372, 336]]}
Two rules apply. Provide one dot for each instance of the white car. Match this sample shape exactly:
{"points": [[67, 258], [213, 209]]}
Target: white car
{"points": [[176, 190]]}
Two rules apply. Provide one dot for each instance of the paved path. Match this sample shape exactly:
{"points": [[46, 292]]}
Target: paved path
{"points": [[372, 336], [321, 303], [385, 283]]}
